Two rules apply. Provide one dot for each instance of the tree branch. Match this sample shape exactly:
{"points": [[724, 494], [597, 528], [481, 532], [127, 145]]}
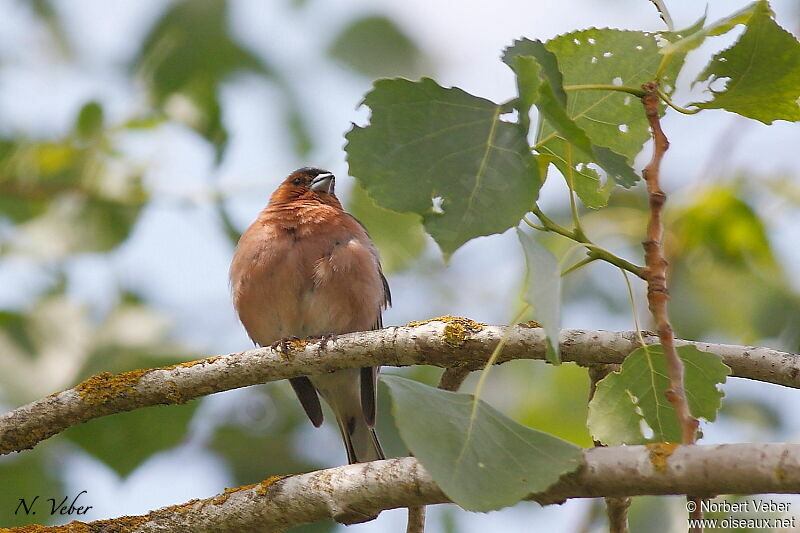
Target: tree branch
{"points": [[445, 342], [357, 493]]}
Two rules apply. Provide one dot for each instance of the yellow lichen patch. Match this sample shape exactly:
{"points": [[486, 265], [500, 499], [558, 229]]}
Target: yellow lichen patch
{"points": [[297, 344], [222, 498], [189, 364], [184, 508], [781, 474], [445, 319], [530, 324], [106, 386], [173, 393], [659, 453], [263, 487], [457, 329], [115, 525]]}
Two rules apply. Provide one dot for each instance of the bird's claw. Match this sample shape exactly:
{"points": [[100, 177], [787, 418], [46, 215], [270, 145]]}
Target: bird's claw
{"points": [[325, 339], [283, 344]]}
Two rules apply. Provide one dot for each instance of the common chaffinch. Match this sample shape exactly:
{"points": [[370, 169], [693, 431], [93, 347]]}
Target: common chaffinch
{"points": [[306, 268]]}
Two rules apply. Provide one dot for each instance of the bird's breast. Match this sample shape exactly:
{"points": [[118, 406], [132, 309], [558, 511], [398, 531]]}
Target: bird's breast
{"points": [[297, 280]]}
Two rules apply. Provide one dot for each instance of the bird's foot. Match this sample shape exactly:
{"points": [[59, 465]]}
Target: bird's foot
{"points": [[325, 339], [283, 344]]}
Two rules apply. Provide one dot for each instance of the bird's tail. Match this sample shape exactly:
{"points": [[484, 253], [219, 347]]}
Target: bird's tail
{"points": [[360, 440]]}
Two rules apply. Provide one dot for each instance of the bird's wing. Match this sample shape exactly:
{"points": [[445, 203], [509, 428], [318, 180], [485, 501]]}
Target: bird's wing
{"points": [[369, 375]]}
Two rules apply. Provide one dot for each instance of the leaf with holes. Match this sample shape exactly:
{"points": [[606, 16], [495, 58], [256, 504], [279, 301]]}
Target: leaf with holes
{"points": [[636, 394], [427, 144], [763, 72], [480, 458], [541, 84], [544, 291], [613, 120]]}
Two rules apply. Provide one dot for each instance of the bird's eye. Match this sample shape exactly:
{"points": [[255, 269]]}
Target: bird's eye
{"points": [[297, 181]]}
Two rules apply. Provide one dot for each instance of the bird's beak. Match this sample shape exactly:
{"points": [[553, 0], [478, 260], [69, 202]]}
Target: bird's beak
{"points": [[323, 183]]}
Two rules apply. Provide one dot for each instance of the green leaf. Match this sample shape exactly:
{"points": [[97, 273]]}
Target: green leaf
{"points": [[563, 133], [544, 291], [376, 47], [480, 458], [90, 120], [637, 393], [189, 53], [426, 144], [693, 39], [399, 237], [124, 440], [763, 71]]}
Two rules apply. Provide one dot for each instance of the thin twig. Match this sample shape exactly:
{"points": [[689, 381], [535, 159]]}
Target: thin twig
{"points": [[453, 377], [605, 87], [656, 270], [594, 250], [616, 506], [416, 519]]}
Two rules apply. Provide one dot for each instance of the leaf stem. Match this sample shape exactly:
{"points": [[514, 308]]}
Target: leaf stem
{"points": [[576, 266], [595, 251], [573, 206], [606, 87], [675, 106]]}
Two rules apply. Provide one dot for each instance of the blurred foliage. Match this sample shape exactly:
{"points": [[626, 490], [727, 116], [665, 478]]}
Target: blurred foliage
{"points": [[27, 475], [259, 437], [544, 390], [189, 53], [70, 195], [758, 413], [718, 241], [124, 440], [376, 47]]}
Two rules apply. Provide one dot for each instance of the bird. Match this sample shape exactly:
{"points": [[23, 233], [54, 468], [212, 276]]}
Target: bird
{"points": [[306, 268]]}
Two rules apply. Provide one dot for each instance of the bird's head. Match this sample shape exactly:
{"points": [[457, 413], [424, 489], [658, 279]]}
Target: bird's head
{"points": [[307, 183]]}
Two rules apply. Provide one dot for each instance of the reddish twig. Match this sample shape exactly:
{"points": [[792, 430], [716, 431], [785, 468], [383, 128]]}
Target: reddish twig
{"points": [[656, 269], [656, 274]]}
